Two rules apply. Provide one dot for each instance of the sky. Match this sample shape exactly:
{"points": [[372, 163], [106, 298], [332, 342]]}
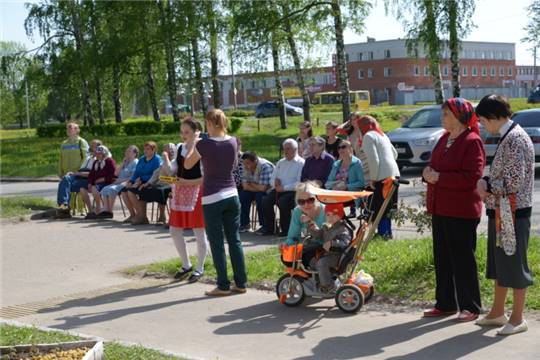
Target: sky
{"points": [[495, 20]]}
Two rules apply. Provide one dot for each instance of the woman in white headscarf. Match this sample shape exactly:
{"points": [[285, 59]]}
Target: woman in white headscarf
{"points": [[101, 175]]}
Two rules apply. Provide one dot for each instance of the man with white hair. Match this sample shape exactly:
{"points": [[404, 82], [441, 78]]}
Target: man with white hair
{"points": [[286, 176]]}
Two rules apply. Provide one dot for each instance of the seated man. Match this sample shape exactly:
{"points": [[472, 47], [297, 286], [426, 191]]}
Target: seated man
{"points": [[317, 166], [255, 184], [73, 182], [283, 182], [146, 166]]}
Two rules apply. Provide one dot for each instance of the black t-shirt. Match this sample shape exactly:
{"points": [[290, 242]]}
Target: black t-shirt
{"points": [[193, 173], [332, 149]]}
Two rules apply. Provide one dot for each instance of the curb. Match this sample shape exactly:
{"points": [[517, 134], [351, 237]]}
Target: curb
{"points": [[28, 179]]}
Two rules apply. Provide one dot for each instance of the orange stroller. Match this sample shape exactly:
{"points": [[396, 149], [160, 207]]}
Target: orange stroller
{"points": [[353, 288]]}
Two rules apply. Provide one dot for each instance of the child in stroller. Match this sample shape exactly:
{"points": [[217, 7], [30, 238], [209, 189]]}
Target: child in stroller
{"points": [[336, 236]]}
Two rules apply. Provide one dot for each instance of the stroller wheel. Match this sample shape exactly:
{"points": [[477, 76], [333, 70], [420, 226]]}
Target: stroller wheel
{"points": [[349, 298], [290, 290]]}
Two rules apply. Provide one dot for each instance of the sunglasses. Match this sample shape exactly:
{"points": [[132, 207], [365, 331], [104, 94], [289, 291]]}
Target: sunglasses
{"points": [[303, 202], [341, 147]]}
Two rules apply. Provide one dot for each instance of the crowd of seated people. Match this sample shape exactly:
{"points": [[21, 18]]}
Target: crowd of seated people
{"points": [[337, 161]]}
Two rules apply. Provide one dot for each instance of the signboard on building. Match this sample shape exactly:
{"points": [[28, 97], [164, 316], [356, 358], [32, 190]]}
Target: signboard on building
{"points": [[288, 92]]}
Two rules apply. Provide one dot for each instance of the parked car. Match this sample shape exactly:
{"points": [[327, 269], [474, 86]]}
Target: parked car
{"points": [[534, 96], [529, 120], [416, 138], [270, 108]]}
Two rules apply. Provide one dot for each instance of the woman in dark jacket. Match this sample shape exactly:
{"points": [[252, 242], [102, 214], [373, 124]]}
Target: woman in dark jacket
{"points": [[456, 165]]}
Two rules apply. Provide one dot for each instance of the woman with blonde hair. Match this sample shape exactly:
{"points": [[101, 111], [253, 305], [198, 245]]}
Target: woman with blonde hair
{"points": [[221, 205]]}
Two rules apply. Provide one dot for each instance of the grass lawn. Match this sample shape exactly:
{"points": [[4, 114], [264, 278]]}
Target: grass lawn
{"points": [[14, 335], [403, 269], [22, 205]]}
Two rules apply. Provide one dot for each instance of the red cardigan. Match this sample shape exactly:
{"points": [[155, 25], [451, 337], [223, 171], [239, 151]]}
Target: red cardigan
{"points": [[107, 172], [460, 168]]}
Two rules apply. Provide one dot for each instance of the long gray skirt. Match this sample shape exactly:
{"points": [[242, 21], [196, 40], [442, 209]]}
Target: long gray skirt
{"points": [[509, 271]]}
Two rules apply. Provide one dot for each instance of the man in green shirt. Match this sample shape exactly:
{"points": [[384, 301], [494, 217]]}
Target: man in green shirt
{"points": [[73, 151]]}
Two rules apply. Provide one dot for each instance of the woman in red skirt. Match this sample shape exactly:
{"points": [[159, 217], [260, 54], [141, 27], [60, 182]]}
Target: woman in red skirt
{"points": [[186, 207]]}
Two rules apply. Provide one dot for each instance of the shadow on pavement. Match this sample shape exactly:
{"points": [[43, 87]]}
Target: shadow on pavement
{"points": [[372, 343], [273, 317]]}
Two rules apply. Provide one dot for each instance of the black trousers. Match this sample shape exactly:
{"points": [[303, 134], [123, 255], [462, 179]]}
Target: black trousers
{"points": [[377, 201], [285, 203], [456, 274]]}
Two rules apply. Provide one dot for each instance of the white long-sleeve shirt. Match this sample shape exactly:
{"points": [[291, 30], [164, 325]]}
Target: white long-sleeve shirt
{"points": [[289, 172], [381, 156]]}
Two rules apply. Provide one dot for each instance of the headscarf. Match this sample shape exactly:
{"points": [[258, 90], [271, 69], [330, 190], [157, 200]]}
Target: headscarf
{"points": [[102, 149], [463, 110], [368, 123]]}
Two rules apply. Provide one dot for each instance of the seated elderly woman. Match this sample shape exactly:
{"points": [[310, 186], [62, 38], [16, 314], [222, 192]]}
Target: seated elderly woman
{"points": [[308, 210], [124, 172], [101, 174]]}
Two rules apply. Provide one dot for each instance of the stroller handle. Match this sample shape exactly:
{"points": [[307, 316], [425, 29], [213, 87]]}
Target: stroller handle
{"points": [[403, 181]]}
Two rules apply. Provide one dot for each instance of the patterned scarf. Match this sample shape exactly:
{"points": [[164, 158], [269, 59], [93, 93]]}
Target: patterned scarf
{"points": [[464, 112]]}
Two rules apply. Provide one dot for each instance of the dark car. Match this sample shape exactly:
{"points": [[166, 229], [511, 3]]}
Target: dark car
{"points": [[534, 97], [270, 108]]}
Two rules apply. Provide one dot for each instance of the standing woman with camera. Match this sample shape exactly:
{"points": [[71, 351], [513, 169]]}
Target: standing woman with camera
{"points": [[221, 205]]}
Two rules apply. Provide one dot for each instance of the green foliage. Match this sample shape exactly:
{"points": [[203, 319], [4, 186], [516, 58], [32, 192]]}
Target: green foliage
{"points": [[22, 205], [142, 128], [107, 129], [234, 124], [239, 113], [51, 130], [170, 127]]}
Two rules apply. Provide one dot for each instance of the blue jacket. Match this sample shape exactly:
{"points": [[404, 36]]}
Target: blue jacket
{"points": [[145, 168], [355, 178]]}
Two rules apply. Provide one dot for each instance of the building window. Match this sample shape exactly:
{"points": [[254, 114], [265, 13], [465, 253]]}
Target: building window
{"points": [[426, 70], [509, 55], [491, 54], [501, 71], [493, 71], [509, 71], [371, 55], [263, 84], [472, 54], [360, 74], [474, 71], [499, 55], [484, 71], [387, 72], [416, 70], [370, 73], [483, 55], [360, 56], [387, 54], [445, 70], [464, 71]]}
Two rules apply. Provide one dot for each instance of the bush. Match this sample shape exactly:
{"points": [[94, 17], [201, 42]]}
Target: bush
{"points": [[170, 127], [234, 124], [142, 128], [240, 113], [49, 131], [108, 129]]}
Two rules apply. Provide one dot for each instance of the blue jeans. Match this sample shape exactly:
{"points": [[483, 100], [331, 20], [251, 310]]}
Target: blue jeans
{"points": [[246, 198], [223, 218], [385, 227], [69, 184]]}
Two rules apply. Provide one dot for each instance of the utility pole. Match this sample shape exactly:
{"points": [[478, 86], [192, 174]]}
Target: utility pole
{"points": [[235, 104], [27, 108], [535, 70]]}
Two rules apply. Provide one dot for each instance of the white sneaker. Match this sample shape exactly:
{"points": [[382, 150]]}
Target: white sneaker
{"points": [[498, 321], [510, 329]]}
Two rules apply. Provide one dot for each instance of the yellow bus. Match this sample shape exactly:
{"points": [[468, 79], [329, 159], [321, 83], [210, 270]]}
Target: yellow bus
{"points": [[359, 99]]}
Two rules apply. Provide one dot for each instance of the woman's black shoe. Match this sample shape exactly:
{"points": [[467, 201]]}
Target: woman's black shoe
{"points": [[194, 277], [182, 273]]}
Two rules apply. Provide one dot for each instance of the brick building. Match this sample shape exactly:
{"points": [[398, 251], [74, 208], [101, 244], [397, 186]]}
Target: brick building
{"points": [[525, 76]]}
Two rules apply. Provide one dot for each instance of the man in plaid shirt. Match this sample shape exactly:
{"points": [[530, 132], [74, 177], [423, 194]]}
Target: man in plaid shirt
{"points": [[255, 184]]}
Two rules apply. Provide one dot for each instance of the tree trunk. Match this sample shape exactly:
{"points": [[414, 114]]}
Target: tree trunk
{"points": [[297, 63], [198, 75], [99, 99], [216, 93], [454, 46], [433, 51], [341, 61], [117, 95], [150, 84], [169, 58], [234, 90], [79, 46], [281, 98]]}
